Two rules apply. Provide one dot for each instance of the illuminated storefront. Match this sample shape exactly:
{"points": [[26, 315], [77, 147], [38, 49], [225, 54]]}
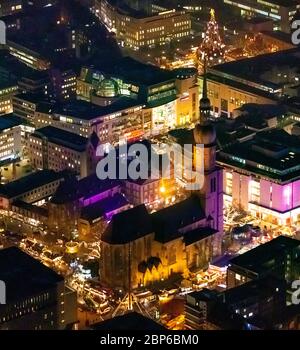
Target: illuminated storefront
{"points": [[164, 117]]}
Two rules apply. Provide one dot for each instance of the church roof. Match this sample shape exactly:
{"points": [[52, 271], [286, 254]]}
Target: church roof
{"points": [[128, 226], [198, 234], [166, 223]]}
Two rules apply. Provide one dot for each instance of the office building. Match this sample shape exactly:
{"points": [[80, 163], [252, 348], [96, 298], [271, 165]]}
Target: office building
{"points": [[169, 98], [62, 84], [264, 79], [259, 304], [25, 105], [10, 7], [27, 79], [278, 258], [57, 149], [31, 188], [7, 90], [11, 144], [124, 118], [282, 12], [36, 296], [28, 55], [261, 176], [136, 29]]}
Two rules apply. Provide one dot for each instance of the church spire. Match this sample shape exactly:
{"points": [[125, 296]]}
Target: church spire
{"points": [[204, 88], [204, 102]]}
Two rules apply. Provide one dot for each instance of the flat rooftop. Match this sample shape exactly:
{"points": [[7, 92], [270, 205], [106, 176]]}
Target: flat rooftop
{"points": [[7, 83], [62, 137], [277, 34], [262, 288], [105, 206], [33, 98], [88, 111], [256, 259], [72, 189], [253, 69], [283, 3], [273, 153], [30, 182], [24, 276], [140, 73], [8, 121]]}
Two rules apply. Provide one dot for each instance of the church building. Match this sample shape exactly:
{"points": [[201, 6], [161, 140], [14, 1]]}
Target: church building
{"points": [[145, 248]]}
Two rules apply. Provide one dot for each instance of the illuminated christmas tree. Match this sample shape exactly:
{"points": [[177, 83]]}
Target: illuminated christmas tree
{"points": [[212, 49]]}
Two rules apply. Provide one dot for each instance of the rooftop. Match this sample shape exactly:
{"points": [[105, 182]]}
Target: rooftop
{"points": [[274, 153], [72, 189], [257, 20], [8, 121], [252, 71], [30, 182], [128, 226], [23, 275], [139, 73], [261, 287], [63, 138], [198, 234], [256, 259], [105, 206], [204, 295], [31, 208], [166, 223], [7, 83], [284, 3], [277, 34], [88, 111], [33, 98]]}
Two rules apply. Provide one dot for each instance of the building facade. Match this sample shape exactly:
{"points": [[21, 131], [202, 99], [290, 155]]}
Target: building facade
{"points": [[281, 12], [10, 7], [31, 188], [11, 141], [263, 79], [137, 31], [155, 247], [264, 182], [168, 98], [7, 91], [56, 149], [31, 303], [277, 258]]}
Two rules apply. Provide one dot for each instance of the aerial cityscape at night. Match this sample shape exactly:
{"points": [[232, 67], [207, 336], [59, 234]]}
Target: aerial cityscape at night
{"points": [[150, 166]]}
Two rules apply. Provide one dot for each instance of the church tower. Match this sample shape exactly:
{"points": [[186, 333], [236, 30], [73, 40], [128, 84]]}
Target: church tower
{"points": [[211, 193]]}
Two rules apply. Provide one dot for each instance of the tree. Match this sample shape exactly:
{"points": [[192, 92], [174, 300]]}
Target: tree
{"points": [[212, 49]]}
